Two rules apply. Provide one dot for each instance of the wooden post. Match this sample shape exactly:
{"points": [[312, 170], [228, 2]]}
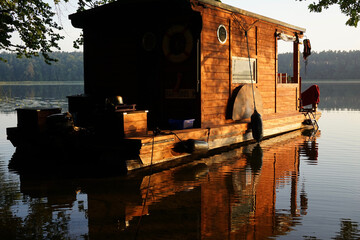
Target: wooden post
{"points": [[296, 68], [276, 69], [230, 59]]}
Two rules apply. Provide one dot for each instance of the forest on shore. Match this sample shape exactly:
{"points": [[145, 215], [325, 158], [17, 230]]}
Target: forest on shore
{"points": [[329, 65], [336, 65], [69, 67]]}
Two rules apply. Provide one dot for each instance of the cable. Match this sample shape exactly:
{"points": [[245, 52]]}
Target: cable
{"points": [[176, 136], [248, 51], [252, 84], [147, 190]]}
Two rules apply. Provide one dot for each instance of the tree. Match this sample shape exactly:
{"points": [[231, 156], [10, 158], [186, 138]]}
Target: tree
{"points": [[34, 22], [350, 8]]}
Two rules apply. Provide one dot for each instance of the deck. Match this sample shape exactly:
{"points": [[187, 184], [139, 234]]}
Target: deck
{"points": [[159, 149]]}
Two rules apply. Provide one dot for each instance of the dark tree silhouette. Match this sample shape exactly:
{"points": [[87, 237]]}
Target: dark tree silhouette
{"points": [[350, 8]]}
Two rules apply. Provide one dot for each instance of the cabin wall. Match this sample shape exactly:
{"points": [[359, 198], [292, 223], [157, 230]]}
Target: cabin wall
{"points": [[118, 62], [215, 70], [266, 58], [109, 67], [286, 98], [216, 64]]}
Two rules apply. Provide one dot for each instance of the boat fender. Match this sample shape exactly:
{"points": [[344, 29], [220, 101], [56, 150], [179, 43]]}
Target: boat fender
{"points": [[196, 146], [257, 126], [193, 146]]}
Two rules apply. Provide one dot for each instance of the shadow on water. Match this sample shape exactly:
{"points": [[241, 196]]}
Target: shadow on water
{"points": [[227, 194], [67, 163]]}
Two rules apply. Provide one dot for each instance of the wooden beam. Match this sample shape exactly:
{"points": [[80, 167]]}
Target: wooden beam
{"points": [[276, 69], [296, 67]]}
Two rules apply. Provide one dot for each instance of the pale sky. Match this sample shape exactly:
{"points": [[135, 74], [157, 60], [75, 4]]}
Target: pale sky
{"points": [[326, 30]]}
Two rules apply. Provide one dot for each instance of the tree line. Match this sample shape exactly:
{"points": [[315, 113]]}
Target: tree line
{"points": [[324, 65], [69, 67]]}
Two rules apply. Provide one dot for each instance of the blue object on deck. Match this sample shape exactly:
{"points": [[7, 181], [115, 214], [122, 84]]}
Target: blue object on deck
{"points": [[176, 124]]}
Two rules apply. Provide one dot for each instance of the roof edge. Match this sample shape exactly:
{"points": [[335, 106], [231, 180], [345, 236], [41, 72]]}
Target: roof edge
{"points": [[251, 14]]}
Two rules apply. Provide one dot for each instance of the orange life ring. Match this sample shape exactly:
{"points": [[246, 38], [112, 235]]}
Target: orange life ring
{"points": [[177, 43]]}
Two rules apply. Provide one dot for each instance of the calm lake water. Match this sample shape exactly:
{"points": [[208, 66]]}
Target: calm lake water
{"points": [[290, 187]]}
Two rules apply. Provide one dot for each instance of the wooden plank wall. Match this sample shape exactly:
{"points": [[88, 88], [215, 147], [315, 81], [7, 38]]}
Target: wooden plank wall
{"points": [[286, 97], [216, 86], [266, 61], [105, 72], [215, 69]]}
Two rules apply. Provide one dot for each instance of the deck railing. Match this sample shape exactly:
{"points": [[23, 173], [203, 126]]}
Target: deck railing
{"points": [[285, 78]]}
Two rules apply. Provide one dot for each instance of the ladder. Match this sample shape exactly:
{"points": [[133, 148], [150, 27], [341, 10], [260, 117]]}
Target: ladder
{"points": [[310, 115]]}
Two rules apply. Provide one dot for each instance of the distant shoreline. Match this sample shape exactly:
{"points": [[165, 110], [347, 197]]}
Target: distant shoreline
{"points": [[42, 83], [333, 81], [70, 83]]}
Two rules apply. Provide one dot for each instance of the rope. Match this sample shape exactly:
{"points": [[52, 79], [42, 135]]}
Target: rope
{"points": [[248, 51], [176, 136], [251, 78], [208, 135], [147, 190]]}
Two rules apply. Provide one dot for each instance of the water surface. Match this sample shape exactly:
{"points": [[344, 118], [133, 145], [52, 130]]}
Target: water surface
{"points": [[294, 186]]}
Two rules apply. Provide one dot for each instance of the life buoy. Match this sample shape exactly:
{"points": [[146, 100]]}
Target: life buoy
{"points": [[177, 43]]}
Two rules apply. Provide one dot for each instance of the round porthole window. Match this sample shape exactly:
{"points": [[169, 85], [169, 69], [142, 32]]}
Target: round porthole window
{"points": [[222, 34]]}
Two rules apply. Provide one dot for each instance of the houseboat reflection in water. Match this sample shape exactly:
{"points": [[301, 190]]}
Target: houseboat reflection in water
{"points": [[229, 195]]}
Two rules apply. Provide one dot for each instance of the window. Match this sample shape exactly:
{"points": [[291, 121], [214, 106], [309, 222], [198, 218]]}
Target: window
{"points": [[222, 34], [241, 71]]}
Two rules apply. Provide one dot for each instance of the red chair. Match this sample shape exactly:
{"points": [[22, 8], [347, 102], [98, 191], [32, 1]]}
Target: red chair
{"points": [[310, 96]]}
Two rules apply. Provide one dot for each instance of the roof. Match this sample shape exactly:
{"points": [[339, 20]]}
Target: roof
{"points": [[208, 2]]}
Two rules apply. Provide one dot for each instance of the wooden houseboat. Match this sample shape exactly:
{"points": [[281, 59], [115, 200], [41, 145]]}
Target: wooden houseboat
{"points": [[159, 73]]}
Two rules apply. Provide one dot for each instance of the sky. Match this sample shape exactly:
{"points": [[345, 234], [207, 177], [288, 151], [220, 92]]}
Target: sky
{"points": [[326, 30]]}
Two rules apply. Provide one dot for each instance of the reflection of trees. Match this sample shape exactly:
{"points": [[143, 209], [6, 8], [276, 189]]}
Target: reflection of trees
{"points": [[15, 96], [338, 95], [348, 230], [8, 197], [42, 221]]}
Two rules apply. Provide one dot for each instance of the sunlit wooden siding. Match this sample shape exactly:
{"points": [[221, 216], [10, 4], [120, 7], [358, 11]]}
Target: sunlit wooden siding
{"points": [[216, 65], [215, 69]]}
